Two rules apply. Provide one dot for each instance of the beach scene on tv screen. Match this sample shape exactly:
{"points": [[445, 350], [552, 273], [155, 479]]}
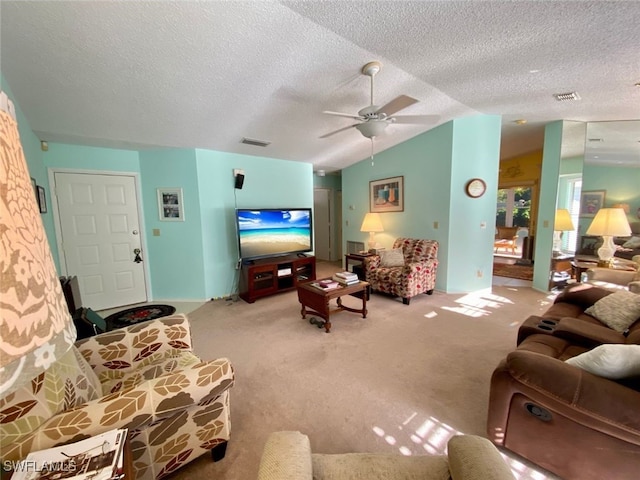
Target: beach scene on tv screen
{"points": [[273, 232]]}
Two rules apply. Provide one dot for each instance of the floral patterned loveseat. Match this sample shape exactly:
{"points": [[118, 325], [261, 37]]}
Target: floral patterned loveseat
{"points": [[413, 273], [145, 378]]}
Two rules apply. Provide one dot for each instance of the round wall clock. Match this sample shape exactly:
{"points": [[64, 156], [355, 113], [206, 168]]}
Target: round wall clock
{"points": [[476, 187]]}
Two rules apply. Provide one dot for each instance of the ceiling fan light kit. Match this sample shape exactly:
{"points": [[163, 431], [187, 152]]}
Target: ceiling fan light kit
{"points": [[372, 128], [375, 119]]}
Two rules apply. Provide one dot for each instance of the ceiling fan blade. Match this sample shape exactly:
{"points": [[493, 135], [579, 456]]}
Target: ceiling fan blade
{"points": [[397, 104], [417, 119], [348, 115], [338, 131]]}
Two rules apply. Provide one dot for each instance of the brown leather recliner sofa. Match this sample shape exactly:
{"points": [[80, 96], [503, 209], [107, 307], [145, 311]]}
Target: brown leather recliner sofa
{"points": [[571, 422]]}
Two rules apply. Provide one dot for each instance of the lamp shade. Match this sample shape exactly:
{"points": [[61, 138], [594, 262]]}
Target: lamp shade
{"points": [[610, 222], [372, 223], [36, 327], [563, 220]]}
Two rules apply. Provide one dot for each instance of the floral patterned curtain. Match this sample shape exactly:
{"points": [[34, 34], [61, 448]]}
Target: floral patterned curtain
{"points": [[35, 325]]}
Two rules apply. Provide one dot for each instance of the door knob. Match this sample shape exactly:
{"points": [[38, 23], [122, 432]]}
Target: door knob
{"points": [[138, 258]]}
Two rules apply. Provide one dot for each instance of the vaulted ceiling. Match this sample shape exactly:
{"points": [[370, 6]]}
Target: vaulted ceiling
{"points": [[189, 74]]}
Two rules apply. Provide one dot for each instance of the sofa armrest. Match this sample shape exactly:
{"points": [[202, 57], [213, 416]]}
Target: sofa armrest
{"points": [[585, 333], [634, 286], [137, 406], [476, 458], [286, 456], [582, 295], [610, 275], [604, 405], [371, 261], [138, 344]]}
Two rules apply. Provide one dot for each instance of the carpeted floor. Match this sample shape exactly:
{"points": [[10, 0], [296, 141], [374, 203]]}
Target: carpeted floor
{"points": [[405, 379]]}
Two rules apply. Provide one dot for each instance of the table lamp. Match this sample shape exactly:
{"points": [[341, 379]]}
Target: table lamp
{"points": [[372, 224], [561, 224], [609, 223], [36, 327]]}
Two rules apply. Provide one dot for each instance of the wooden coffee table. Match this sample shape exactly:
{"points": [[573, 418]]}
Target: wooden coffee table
{"points": [[315, 300]]}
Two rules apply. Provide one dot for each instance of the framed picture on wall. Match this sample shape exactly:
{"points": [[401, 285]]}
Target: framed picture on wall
{"points": [[386, 195], [42, 199], [170, 204], [591, 201]]}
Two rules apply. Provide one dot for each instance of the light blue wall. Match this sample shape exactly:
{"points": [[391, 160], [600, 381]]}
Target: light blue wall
{"points": [[622, 185], [268, 183], [175, 257], [195, 259], [421, 160], [551, 154], [570, 168], [80, 157], [328, 181], [436, 166], [476, 154]]}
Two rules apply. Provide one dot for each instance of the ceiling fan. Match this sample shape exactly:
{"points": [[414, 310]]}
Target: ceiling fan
{"points": [[375, 119]]}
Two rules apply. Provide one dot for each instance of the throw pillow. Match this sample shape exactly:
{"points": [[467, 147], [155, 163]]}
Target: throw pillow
{"points": [[612, 361], [618, 310], [392, 258], [633, 242]]}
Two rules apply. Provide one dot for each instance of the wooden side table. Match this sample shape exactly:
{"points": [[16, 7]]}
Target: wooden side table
{"points": [[559, 264], [357, 259], [579, 267]]}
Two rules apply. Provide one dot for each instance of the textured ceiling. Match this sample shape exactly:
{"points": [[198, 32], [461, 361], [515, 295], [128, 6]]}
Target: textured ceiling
{"points": [[192, 74]]}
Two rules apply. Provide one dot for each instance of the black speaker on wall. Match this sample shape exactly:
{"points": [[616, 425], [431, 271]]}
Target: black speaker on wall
{"points": [[239, 181]]}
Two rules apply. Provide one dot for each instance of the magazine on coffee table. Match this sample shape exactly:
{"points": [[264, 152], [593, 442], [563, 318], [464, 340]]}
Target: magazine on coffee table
{"points": [[98, 458]]}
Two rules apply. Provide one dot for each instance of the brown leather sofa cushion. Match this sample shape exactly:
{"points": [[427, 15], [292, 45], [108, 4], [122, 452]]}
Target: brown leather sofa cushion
{"points": [[582, 295]]}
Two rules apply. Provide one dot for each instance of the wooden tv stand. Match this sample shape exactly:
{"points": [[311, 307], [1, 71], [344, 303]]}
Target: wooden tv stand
{"points": [[267, 276]]}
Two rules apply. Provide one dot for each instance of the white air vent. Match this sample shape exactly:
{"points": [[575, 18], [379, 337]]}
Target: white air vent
{"points": [[562, 97], [254, 142]]}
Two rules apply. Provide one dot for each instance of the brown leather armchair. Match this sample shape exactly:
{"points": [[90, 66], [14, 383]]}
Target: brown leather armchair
{"points": [[571, 422]]}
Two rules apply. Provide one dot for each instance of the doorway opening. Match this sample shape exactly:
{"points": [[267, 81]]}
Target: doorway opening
{"points": [[513, 221]]}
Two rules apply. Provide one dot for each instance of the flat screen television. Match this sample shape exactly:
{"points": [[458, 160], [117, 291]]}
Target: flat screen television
{"points": [[271, 232]]}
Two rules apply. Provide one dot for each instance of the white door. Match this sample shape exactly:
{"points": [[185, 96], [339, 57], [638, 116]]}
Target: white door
{"points": [[100, 230], [322, 224]]}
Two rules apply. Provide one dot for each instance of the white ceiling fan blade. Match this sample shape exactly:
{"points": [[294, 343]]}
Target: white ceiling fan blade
{"points": [[397, 104], [417, 119], [338, 131], [340, 114]]}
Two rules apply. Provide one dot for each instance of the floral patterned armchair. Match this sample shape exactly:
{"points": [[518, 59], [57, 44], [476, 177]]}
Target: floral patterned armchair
{"points": [[145, 378], [413, 273]]}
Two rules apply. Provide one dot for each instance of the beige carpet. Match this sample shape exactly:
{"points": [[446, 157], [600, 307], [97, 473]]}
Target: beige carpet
{"points": [[405, 379]]}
